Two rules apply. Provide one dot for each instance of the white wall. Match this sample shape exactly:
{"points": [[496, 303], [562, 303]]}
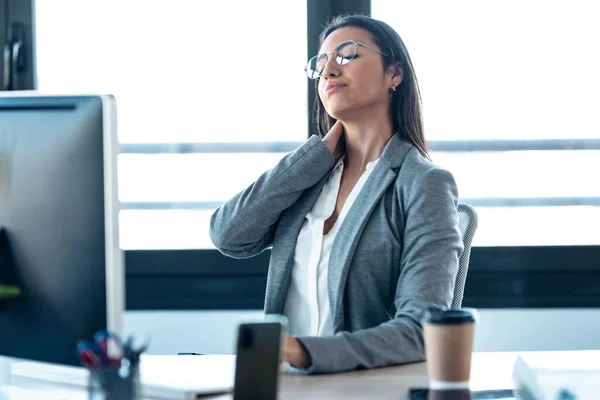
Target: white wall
{"points": [[543, 329], [188, 331], [498, 330]]}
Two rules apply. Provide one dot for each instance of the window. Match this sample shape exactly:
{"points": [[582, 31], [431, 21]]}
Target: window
{"points": [[203, 109], [211, 94], [517, 73]]}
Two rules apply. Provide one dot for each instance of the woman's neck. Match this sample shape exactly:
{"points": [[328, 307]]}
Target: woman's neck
{"points": [[365, 141]]}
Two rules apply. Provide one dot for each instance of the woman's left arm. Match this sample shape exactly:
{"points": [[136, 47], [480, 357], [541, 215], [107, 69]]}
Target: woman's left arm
{"points": [[432, 245]]}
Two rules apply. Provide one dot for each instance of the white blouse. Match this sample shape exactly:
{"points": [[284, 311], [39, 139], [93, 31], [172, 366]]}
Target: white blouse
{"points": [[307, 301]]}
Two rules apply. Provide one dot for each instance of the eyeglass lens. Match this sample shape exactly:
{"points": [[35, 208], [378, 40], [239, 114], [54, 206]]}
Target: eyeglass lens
{"points": [[342, 55]]}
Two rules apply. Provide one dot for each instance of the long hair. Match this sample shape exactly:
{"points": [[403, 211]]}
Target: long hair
{"points": [[405, 107]]}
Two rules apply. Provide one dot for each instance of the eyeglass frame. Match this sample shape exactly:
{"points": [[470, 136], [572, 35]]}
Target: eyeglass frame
{"points": [[335, 52]]}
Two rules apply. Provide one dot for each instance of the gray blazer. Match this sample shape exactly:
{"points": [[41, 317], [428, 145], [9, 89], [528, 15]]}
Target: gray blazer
{"points": [[395, 254]]}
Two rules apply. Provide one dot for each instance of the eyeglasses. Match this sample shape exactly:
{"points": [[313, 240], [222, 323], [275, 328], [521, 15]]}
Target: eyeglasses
{"points": [[343, 54]]}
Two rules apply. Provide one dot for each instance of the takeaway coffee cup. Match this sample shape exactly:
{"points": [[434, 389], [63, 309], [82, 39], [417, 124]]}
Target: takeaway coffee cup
{"points": [[448, 346]]}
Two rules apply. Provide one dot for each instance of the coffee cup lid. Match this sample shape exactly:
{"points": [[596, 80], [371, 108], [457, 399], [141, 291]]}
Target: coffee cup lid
{"points": [[435, 315]]}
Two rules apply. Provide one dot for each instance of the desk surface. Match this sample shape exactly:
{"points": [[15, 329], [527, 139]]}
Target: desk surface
{"points": [[489, 371]]}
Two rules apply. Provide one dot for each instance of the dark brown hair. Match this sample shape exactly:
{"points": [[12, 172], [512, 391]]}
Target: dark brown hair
{"points": [[405, 108]]}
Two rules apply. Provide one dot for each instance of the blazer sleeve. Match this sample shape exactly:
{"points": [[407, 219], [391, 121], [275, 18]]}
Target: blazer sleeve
{"points": [[245, 225], [432, 245]]}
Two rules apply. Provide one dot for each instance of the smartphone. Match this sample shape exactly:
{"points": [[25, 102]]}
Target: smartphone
{"points": [[466, 394], [258, 359]]}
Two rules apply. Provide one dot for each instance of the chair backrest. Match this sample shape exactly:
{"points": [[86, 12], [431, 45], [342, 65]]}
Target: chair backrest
{"points": [[467, 221]]}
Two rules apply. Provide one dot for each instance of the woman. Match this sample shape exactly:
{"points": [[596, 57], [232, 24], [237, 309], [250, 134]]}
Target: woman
{"points": [[363, 227]]}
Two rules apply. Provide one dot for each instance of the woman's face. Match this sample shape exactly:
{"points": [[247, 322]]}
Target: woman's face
{"points": [[361, 84]]}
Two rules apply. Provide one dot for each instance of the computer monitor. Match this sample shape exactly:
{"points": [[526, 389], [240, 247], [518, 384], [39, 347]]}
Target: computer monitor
{"points": [[61, 267]]}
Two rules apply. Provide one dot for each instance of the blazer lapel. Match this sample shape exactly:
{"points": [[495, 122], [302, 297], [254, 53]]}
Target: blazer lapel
{"points": [[290, 222], [347, 238]]}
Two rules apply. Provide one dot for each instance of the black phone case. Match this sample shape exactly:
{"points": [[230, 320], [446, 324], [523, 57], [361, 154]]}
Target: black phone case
{"points": [[258, 359]]}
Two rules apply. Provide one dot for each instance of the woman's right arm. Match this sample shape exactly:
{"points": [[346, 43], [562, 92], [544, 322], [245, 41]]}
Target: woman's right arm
{"points": [[245, 225]]}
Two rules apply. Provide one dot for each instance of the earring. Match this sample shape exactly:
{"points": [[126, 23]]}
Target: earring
{"points": [[394, 88]]}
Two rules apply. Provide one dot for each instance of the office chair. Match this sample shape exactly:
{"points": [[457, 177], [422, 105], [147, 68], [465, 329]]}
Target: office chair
{"points": [[467, 222]]}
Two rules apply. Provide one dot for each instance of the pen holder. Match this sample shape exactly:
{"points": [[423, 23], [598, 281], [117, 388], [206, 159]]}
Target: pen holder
{"points": [[114, 383]]}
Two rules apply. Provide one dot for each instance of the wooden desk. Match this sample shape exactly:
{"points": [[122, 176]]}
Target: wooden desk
{"points": [[489, 371]]}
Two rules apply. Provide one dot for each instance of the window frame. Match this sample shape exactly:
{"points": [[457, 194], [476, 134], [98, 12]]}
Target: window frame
{"points": [[4, 10], [21, 13]]}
